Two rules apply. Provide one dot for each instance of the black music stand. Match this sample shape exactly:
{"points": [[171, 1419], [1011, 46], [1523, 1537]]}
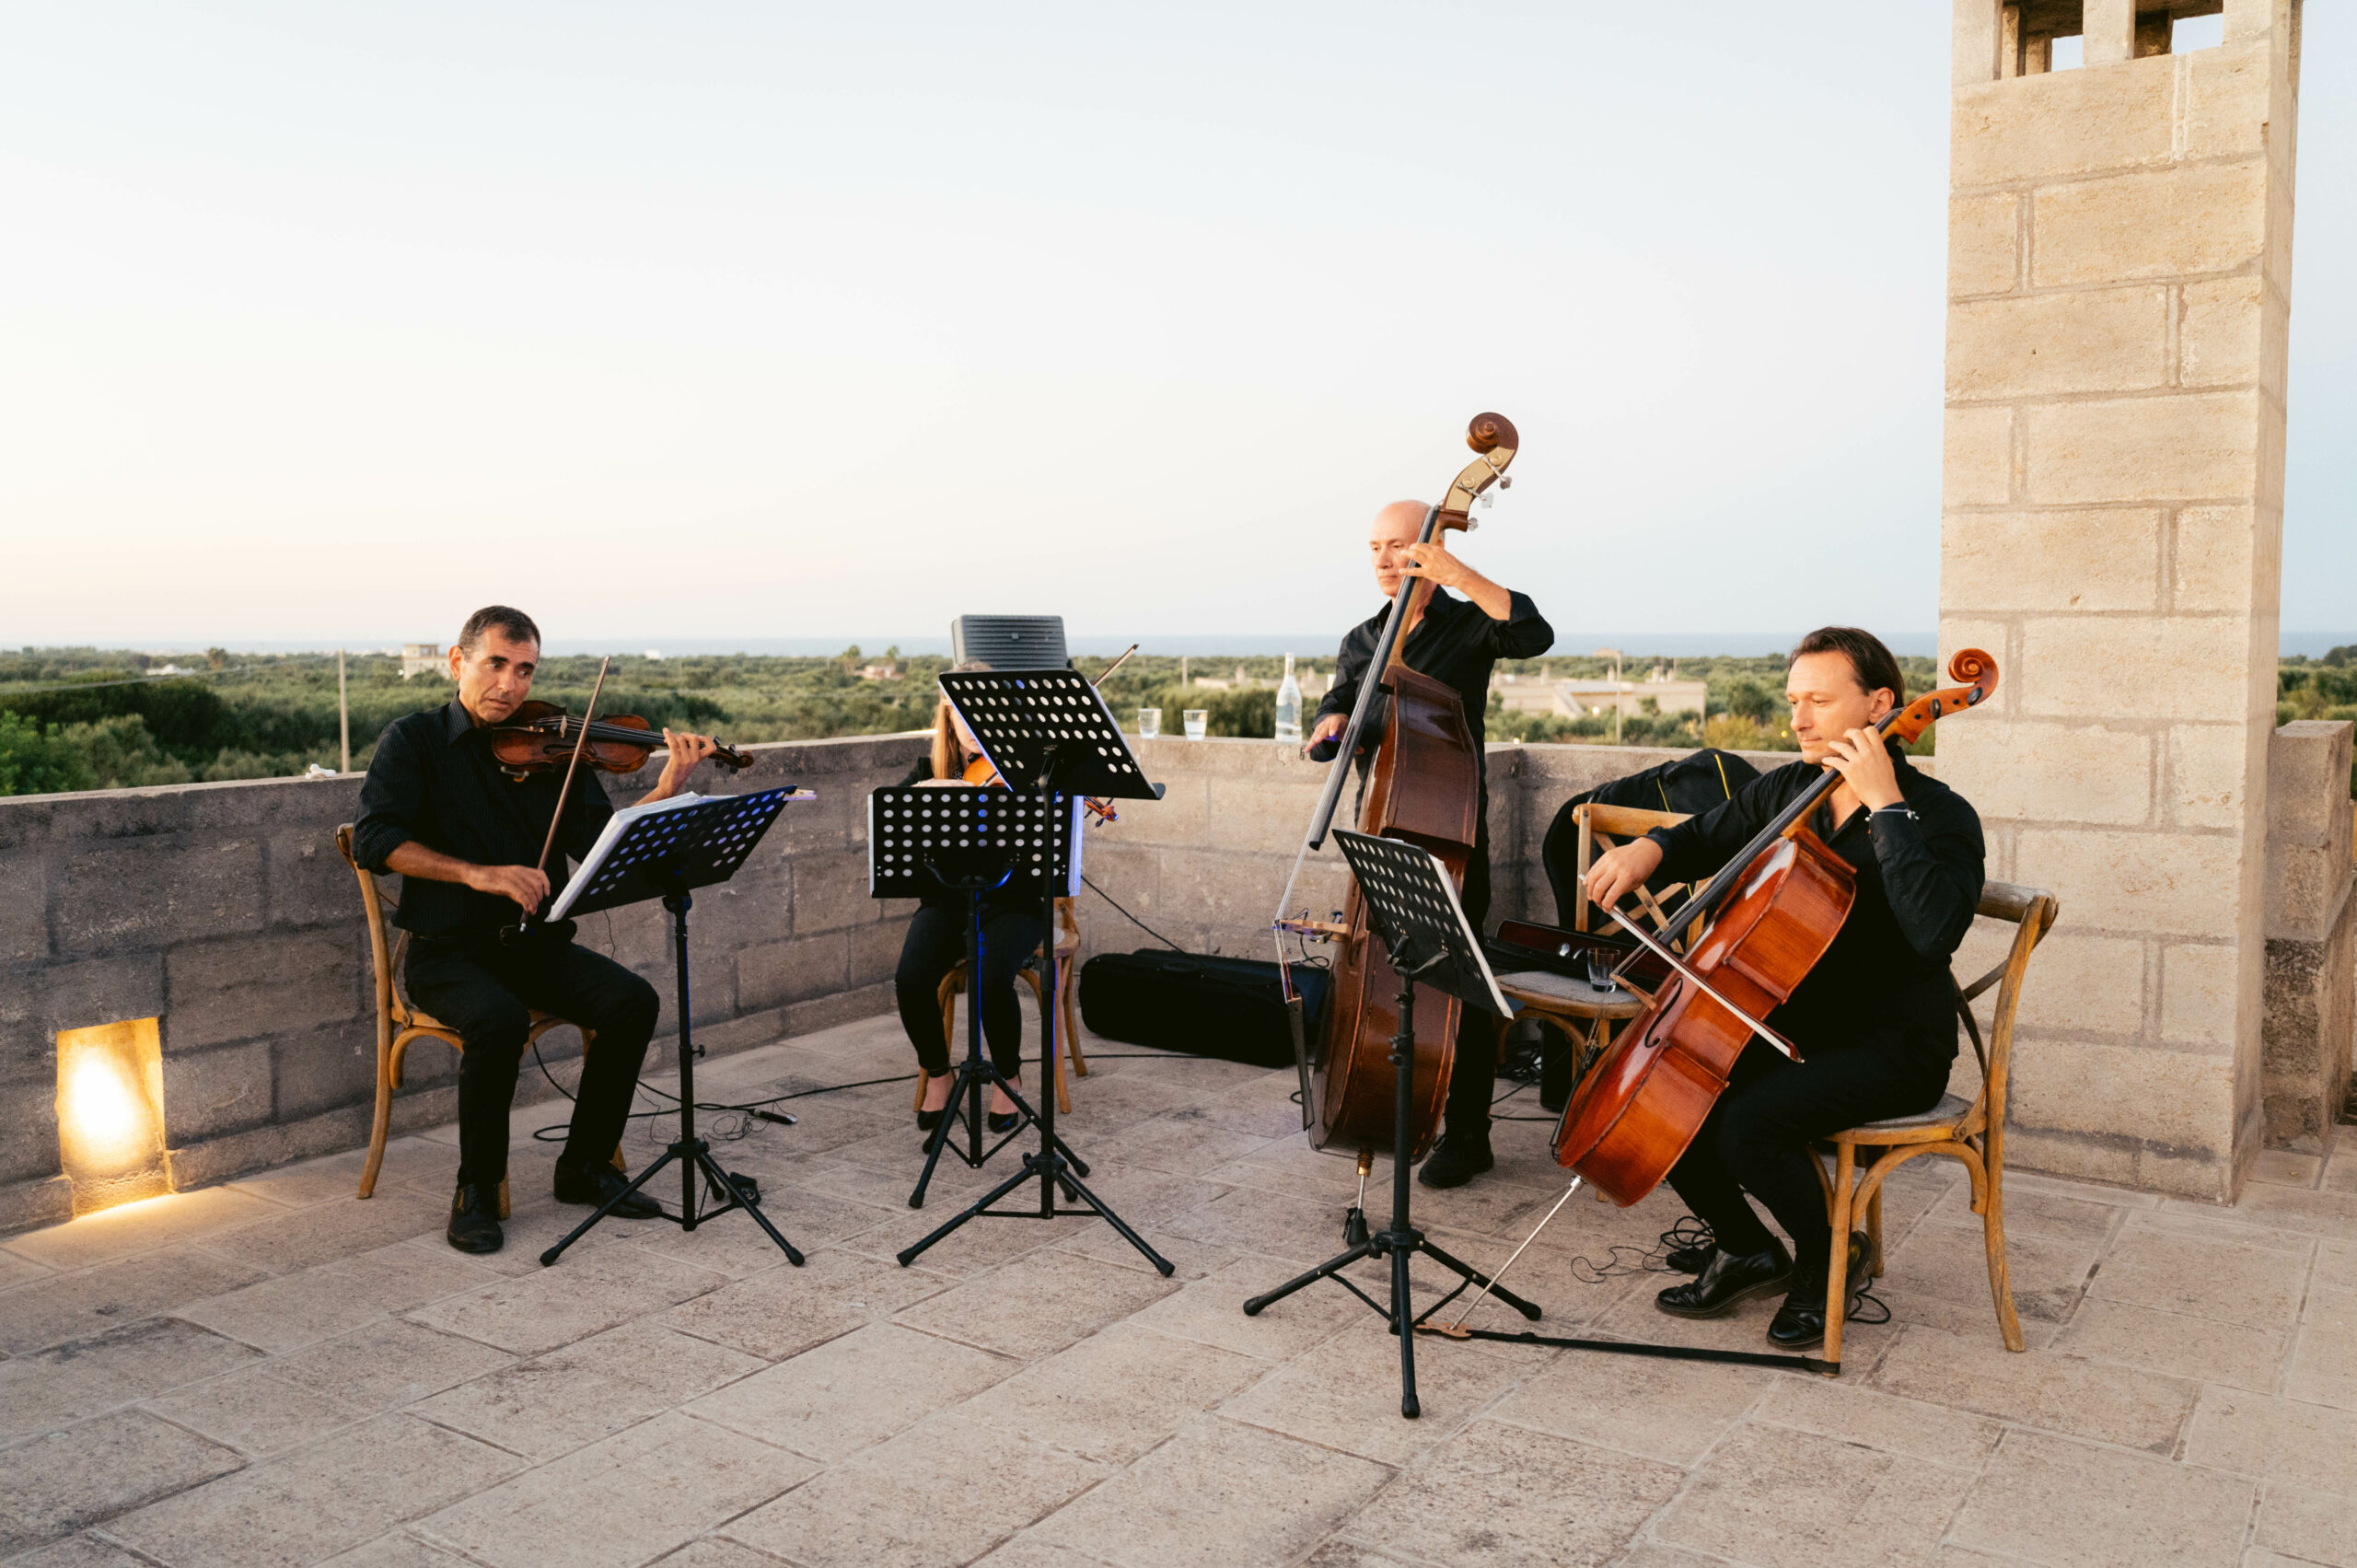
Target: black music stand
{"points": [[663, 851], [1414, 908], [1049, 734], [968, 841]]}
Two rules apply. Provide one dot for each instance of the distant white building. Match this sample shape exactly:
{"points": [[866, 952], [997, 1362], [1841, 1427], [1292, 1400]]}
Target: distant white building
{"points": [[420, 659]]}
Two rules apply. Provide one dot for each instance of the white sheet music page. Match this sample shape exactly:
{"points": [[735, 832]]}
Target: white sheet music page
{"points": [[615, 827]]}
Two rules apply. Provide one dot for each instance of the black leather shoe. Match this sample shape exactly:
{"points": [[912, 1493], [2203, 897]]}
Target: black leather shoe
{"points": [[1728, 1283], [929, 1120], [474, 1219], [597, 1184], [1691, 1260], [1799, 1324], [1003, 1120], [1457, 1160]]}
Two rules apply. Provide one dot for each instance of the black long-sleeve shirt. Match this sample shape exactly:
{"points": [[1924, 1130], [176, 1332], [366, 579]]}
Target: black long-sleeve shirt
{"points": [[435, 781], [1456, 643], [1884, 980]]}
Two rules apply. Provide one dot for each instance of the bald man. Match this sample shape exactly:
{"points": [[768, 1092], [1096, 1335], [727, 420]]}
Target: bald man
{"points": [[1455, 641]]}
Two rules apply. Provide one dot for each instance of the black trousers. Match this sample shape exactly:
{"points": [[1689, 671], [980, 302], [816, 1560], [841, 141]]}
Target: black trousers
{"points": [[1756, 1138], [486, 992], [935, 945], [1473, 1080]]}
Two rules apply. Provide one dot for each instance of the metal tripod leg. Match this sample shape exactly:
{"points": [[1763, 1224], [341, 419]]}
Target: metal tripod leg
{"points": [[1327, 1270]]}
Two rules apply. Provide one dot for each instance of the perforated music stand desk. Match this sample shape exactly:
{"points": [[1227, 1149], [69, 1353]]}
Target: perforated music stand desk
{"points": [[1045, 731], [664, 853]]}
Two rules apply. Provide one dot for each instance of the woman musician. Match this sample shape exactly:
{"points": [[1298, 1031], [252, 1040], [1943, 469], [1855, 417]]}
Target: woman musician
{"points": [[1874, 1021], [1012, 930]]}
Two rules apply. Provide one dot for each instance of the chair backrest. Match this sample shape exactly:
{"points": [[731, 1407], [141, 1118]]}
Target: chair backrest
{"points": [[2033, 912], [384, 943], [1610, 823]]}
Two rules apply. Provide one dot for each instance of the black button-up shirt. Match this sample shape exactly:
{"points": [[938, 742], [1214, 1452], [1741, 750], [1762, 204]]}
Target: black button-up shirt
{"points": [[1456, 643], [434, 781], [1884, 980]]}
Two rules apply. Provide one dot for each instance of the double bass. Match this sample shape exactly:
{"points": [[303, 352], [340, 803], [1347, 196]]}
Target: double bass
{"points": [[1772, 912], [1424, 786]]}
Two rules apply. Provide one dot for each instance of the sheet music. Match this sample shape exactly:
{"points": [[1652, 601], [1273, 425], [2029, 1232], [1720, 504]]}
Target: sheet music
{"points": [[616, 826]]}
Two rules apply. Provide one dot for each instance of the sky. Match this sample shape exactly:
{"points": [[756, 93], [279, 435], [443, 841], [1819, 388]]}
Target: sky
{"points": [[714, 324]]}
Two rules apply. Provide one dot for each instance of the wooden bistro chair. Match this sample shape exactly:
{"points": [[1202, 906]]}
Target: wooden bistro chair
{"points": [[953, 985], [1583, 1015], [1972, 1133], [398, 1023]]}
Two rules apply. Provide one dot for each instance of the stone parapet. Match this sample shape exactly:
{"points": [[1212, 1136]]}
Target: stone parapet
{"points": [[2310, 948], [226, 912]]}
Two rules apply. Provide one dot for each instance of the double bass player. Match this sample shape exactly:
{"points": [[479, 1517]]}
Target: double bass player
{"points": [[1455, 641]]}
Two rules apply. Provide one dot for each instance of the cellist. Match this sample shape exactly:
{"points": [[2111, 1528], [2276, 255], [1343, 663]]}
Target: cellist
{"points": [[1455, 641], [1876, 1019]]}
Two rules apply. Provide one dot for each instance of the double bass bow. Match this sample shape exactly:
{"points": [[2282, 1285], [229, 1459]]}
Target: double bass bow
{"points": [[1425, 787]]}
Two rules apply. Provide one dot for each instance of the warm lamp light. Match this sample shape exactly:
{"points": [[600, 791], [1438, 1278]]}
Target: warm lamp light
{"points": [[110, 1113]]}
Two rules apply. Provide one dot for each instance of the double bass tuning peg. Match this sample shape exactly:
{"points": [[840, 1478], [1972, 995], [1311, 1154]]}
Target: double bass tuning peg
{"points": [[1490, 497]]}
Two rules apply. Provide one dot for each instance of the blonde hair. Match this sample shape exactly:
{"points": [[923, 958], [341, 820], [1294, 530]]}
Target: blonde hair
{"points": [[947, 754]]}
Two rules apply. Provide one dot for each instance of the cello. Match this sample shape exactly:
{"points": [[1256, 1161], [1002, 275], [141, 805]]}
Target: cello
{"points": [[1774, 910], [1424, 786]]}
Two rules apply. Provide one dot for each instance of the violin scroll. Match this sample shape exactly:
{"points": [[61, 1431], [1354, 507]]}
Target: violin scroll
{"points": [[1970, 665]]}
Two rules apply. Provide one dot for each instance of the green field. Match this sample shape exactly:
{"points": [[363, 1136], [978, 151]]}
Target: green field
{"points": [[89, 718]]}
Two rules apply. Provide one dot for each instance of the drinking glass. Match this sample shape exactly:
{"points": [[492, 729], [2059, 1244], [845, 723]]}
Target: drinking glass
{"points": [[1198, 721], [1599, 967], [1149, 723]]}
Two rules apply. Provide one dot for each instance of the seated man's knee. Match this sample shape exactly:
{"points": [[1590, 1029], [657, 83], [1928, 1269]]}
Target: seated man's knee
{"points": [[499, 1029]]}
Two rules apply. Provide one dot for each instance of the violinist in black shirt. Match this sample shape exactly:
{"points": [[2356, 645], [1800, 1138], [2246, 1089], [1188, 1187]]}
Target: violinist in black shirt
{"points": [[1455, 641], [1875, 1020], [465, 839]]}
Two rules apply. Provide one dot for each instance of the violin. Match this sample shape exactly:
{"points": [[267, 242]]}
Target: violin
{"points": [[1773, 911], [1423, 787], [540, 736]]}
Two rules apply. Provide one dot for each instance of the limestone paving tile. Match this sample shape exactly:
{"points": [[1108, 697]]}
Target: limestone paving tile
{"points": [[257, 1413], [388, 1364], [589, 1389], [1784, 1499], [1672, 1411], [325, 1232], [1024, 1551], [2336, 1266], [1966, 1319], [140, 1227], [1508, 1495], [1145, 1197], [318, 1500], [2230, 1281], [713, 1551], [289, 1311], [2036, 1212], [2340, 1172], [1211, 1311], [57, 1387], [973, 1248], [585, 1293], [2332, 1214], [1271, 1223], [1573, 1277], [420, 1164], [782, 1313], [78, 1551], [399, 1550], [56, 1484], [53, 1308], [1273, 1498], [943, 1492], [533, 1228], [1183, 1142], [2041, 1389], [2171, 1343], [1907, 1427], [2055, 1499], [1951, 1263], [851, 1393], [736, 1245], [1345, 1394], [2282, 1441], [2313, 1526], [1038, 1303], [15, 1270], [885, 1185], [1189, 1259], [2323, 1369], [1115, 1395], [1636, 1318], [618, 1502], [2287, 1167]]}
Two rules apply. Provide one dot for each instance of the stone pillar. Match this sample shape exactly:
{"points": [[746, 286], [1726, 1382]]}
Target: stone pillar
{"points": [[2118, 287], [2310, 976]]}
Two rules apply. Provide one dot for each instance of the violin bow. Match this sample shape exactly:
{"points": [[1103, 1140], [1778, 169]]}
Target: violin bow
{"points": [[564, 795]]}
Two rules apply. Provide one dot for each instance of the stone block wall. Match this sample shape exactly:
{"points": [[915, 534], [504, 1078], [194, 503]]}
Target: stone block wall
{"points": [[2305, 1059], [2119, 301], [224, 911]]}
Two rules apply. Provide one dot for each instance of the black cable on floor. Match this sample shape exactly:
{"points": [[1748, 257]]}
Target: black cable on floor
{"points": [[1133, 920]]}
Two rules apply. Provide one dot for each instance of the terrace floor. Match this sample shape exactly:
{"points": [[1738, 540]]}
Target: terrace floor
{"points": [[270, 1372]]}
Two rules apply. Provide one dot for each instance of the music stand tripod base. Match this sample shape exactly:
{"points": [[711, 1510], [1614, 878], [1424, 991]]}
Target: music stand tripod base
{"points": [[665, 854]]}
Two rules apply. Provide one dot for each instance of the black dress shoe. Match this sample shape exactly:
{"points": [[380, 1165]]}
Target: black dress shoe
{"points": [[1003, 1120], [929, 1120], [474, 1219], [1691, 1260], [1457, 1160], [1799, 1324], [596, 1185], [1728, 1281]]}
